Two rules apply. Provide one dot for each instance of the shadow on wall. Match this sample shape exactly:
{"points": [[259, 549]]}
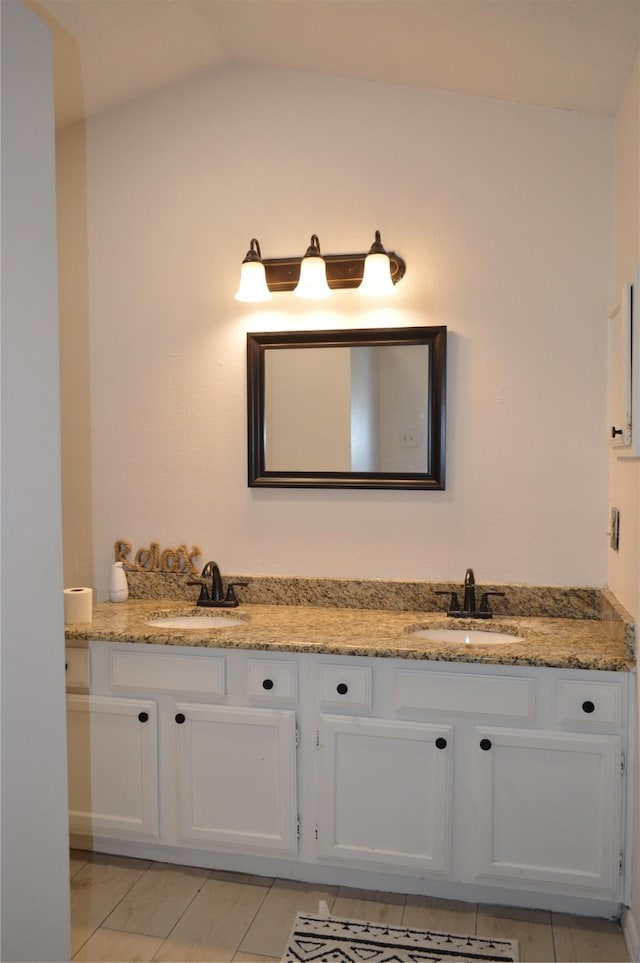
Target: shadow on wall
{"points": [[73, 312]]}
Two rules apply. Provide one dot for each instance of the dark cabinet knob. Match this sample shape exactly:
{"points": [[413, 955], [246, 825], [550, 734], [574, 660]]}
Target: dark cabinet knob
{"points": [[342, 688], [441, 743], [485, 744], [588, 706], [267, 684], [143, 717], [615, 431], [66, 667], [180, 718]]}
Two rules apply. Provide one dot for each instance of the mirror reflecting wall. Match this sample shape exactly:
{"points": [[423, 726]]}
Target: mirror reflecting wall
{"points": [[342, 409]]}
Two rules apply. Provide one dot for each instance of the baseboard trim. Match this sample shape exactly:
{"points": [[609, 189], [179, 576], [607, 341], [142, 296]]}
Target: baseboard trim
{"points": [[327, 874], [631, 936]]}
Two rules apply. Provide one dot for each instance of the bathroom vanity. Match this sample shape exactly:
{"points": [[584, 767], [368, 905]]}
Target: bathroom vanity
{"points": [[336, 746]]}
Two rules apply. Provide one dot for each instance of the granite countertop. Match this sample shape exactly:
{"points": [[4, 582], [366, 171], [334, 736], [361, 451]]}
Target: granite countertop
{"points": [[602, 644]]}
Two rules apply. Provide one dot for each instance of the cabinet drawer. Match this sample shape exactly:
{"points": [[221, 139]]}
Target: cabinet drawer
{"points": [[345, 686], [274, 681], [171, 673], [501, 696], [76, 664], [590, 703]]}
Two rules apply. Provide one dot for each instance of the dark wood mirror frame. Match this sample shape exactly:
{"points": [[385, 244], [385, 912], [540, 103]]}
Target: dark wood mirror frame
{"points": [[435, 338]]}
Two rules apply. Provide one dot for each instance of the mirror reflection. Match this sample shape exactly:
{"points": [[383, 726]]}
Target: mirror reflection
{"points": [[347, 409], [373, 418]]}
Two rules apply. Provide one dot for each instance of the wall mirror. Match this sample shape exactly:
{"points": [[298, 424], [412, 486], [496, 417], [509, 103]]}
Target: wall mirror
{"points": [[347, 409]]}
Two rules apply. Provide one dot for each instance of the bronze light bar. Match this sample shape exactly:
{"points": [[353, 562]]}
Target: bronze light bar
{"points": [[343, 270], [374, 272]]}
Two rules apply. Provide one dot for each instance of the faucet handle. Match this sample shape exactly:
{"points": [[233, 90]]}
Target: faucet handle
{"points": [[204, 594], [453, 603], [484, 601], [231, 595]]}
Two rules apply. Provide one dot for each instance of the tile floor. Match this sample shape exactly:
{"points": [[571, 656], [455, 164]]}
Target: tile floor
{"points": [[129, 910]]}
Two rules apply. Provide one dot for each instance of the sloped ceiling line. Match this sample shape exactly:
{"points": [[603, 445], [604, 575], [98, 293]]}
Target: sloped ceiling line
{"points": [[566, 54]]}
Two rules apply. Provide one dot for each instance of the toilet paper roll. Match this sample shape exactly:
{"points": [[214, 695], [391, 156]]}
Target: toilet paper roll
{"points": [[78, 604]]}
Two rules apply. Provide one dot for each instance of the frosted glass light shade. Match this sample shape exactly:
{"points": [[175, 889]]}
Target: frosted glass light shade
{"points": [[376, 279], [253, 283], [313, 279]]}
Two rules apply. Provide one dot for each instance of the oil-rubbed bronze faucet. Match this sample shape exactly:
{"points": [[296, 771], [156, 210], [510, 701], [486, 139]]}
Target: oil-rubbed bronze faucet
{"points": [[217, 598], [469, 610], [469, 604]]}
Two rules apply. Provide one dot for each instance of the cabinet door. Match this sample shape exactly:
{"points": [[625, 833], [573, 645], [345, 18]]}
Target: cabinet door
{"points": [[112, 764], [547, 807], [236, 770], [385, 792]]}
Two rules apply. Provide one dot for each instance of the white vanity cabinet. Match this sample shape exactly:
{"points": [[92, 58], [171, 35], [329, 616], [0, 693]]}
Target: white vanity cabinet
{"points": [[196, 765], [383, 785], [550, 800], [548, 807], [234, 771], [486, 775], [384, 793], [112, 762], [486, 782]]}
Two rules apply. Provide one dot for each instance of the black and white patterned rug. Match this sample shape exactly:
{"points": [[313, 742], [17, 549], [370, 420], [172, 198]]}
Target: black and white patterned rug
{"points": [[328, 939]]}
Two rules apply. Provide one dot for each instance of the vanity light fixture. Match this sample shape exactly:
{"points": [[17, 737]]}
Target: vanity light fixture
{"points": [[377, 271], [253, 280], [315, 275]]}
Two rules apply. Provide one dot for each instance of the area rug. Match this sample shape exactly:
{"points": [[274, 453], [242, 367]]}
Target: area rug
{"points": [[328, 939]]}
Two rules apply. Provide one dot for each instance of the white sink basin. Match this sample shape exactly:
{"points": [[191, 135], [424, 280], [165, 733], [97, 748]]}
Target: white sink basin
{"points": [[195, 622], [467, 636]]}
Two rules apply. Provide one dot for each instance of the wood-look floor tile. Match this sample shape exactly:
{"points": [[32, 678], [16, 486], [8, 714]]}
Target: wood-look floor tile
{"points": [[578, 938], [97, 889], [111, 946], [353, 892], [249, 878], [255, 958], [237, 917], [77, 861], [156, 902], [441, 915], [371, 910], [270, 930], [531, 928], [121, 862], [213, 924]]}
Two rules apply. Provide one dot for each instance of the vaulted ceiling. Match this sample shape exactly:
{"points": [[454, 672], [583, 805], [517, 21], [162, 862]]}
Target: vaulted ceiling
{"points": [[567, 54]]}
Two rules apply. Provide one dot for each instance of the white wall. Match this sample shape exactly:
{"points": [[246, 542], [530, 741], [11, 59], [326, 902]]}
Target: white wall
{"points": [[504, 216], [75, 390], [35, 865], [624, 474]]}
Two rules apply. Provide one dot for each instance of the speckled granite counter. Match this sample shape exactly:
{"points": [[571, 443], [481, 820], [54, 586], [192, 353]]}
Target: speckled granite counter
{"points": [[605, 644]]}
